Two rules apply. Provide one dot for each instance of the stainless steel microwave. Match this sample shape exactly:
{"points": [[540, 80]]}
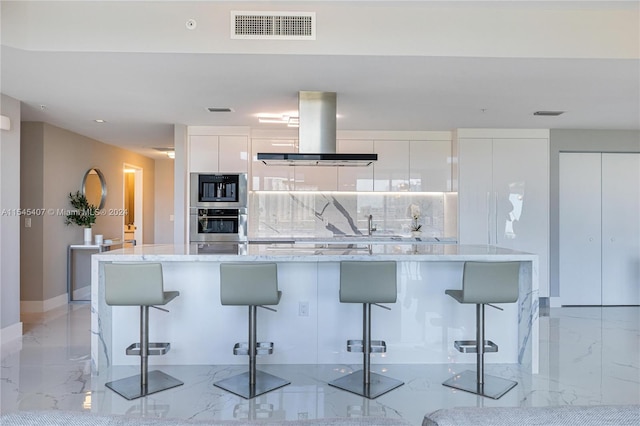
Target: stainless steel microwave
{"points": [[218, 190]]}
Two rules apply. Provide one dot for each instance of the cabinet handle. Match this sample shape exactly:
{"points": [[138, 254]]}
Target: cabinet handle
{"points": [[488, 218], [495, 213]]}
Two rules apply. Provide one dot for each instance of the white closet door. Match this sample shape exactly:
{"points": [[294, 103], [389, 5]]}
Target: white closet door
{"points": [[580, 219], [475, 195], [620, 229]]}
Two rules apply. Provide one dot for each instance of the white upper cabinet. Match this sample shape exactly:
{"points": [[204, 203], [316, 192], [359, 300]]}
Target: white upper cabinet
{"points": [[233, 154], [391, 171], [210, 153], [355, 178], [503, 195], [203, 153], [430, 166], [271, 178]]}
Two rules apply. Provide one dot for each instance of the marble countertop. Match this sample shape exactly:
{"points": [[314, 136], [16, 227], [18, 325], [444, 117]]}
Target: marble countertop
{"points": [[313, 252]]}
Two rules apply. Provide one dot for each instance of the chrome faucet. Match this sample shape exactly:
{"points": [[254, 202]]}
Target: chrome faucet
{"points": [[370, 226]]}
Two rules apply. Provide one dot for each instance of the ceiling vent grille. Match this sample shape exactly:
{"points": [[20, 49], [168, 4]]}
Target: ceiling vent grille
{"points": [[549, 113], [273, 25]]}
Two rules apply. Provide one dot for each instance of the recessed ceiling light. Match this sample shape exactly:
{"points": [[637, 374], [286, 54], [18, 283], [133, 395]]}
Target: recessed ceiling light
{"points": [[170, 151], [215, 109], [99, 120], [548, 113], [291, 119]]}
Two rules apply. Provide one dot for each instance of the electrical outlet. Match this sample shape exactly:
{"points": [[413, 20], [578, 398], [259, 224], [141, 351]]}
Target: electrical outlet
{"points": [[303, 309]]}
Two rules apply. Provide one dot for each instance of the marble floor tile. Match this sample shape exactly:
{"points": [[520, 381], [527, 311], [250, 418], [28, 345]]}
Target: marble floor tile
{"points": [[589, 356]]}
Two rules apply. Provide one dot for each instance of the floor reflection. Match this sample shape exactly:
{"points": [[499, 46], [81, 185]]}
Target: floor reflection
{"points": [[589, 356]]}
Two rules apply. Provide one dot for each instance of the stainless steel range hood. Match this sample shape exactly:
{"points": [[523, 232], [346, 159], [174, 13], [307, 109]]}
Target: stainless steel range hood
{"points": [[316, 136]]}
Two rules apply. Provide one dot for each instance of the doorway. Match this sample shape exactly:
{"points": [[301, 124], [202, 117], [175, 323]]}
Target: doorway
{"points": [[132, 219]]}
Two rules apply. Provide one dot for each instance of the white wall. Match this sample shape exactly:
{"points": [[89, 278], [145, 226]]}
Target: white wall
{"points": [[10, 325]]}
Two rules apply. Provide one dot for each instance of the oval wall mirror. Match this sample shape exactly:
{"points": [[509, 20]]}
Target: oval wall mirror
{"points": [[94, 187]]}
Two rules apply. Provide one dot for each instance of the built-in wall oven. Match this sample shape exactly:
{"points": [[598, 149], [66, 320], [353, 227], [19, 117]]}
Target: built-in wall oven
{"points": [[218, 211], [218, 224]]}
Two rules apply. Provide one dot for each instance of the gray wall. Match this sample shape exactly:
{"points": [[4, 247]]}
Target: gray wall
{"points": [[54, 162], [577, 141], [9, 224], [164, 202]]}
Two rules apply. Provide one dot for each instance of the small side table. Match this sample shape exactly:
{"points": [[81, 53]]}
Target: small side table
{"points": [[79, 269]]}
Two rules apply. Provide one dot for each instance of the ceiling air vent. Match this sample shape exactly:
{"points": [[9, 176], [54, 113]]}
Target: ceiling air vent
{"points": [[216, 109], [273, 25], [548, 113]]}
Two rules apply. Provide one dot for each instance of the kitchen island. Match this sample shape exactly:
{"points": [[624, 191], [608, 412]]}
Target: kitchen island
{"points": [[311, 326]]}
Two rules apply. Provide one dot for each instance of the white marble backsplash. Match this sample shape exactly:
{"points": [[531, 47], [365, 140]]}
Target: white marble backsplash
{"points": [[325, 214]]}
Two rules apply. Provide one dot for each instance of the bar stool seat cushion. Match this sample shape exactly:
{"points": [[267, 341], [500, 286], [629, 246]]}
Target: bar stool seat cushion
{"points": [[136, 284], [488, 282], [368, 282], [244, 284]]}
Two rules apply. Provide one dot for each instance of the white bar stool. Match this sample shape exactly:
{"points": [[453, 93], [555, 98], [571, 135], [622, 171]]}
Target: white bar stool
{"points": [[252, 285], [484, 283], [369, 283], [140, 284]]}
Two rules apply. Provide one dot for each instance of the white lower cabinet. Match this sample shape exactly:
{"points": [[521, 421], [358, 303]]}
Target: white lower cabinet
{"points": [[503, 196], [599, 228]]}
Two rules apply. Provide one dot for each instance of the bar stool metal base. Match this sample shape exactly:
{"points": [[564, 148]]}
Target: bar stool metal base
{"points": [[131, 387], [240, 385], [354, 383], [493, 387]]}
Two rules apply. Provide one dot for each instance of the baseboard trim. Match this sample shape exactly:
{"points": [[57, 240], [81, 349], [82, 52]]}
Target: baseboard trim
{"points": [[10, 333], [37, 306]]}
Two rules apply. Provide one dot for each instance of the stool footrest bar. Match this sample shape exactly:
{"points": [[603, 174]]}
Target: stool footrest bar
{"points": [[377, 346], [153, 349], [470, 346], [262, 348]]}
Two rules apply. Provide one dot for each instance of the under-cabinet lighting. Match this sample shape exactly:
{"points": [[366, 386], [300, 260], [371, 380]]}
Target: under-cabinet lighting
{"points": [[171, 154], [394, 193]]}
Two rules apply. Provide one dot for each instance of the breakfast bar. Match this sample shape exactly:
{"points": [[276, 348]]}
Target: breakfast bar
{"points": [[311, 326]]}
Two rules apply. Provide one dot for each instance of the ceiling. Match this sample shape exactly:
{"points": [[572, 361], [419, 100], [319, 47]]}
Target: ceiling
{"points": [[141, 95]]}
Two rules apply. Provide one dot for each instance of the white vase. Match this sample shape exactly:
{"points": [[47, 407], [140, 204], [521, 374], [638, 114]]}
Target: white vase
{"points": [[87, 235]]}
